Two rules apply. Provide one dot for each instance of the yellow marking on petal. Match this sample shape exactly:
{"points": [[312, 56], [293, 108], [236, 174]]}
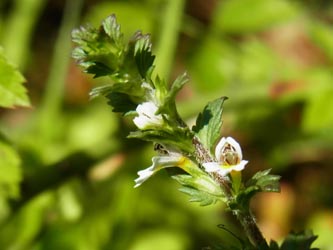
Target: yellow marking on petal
{"points": [[183, 162], [188, 166]]}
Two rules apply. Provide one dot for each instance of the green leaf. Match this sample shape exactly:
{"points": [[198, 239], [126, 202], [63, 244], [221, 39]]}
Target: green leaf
{"points": [[103, 52], [142, 53], [121, 102], [168, 105], [261, 182], [203, 198], [10, 170], [99, 51], [12, 91], [176, 87], [265, 181], [302, 240], [209, 123], [122, 97], [201, 181], [200, 188]]}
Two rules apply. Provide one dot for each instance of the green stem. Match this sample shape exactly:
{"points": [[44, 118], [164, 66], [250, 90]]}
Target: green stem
{"points": [[18, 28], [54, 92], [168, 39]]}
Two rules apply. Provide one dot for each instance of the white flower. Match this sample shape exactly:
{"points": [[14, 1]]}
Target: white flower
{"points": [[229, 156], [159, 162], [147, 116]]}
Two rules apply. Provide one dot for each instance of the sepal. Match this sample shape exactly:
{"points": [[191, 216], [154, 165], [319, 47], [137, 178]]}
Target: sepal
{"points": [[168, 102]]}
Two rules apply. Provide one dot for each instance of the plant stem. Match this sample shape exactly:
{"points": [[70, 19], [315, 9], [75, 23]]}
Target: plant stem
{"points": [[251, 229], [243, 215], [168, 39], [18, 28], [54, 92]]}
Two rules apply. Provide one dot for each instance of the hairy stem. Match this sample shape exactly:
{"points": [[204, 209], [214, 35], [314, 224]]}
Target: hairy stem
{"points": [[251, 229]]}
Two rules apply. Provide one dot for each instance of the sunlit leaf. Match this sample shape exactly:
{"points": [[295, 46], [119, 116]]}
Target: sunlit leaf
{"points": [[196, 195], [209, 123], [12, 91], [99, 51], [262, 181]]}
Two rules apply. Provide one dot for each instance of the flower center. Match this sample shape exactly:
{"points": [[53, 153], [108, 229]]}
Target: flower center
{"points": [[229, 155]]}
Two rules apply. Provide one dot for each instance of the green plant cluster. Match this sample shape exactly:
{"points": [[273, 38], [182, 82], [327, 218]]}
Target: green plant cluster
{"points": [[67, 168], [102, 52]]}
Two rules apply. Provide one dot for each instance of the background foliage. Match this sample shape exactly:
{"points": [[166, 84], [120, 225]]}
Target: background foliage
{"points": [[67, 171]]}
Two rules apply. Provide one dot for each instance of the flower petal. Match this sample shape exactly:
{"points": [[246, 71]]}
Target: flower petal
{"points": [[219, 147], [147, 116], [143, 176], [159, 162], [224, 171], [211, 166], [240, 166]]}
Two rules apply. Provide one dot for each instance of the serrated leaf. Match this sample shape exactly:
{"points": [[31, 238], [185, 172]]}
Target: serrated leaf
{"points": [[102, 52], [265, 181], [121, 102], [12, 91], [262, 181], [122, 97], [143, 54], [203, 198], [99, 51], [302, 240], [209, 123], [199, 188], [112, 29], [200, 181]]}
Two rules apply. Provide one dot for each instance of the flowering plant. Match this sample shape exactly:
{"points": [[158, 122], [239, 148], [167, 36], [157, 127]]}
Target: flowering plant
{"points": [[211, 166]]}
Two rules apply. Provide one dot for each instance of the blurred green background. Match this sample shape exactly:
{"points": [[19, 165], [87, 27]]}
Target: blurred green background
{"points": [[67, 170]]}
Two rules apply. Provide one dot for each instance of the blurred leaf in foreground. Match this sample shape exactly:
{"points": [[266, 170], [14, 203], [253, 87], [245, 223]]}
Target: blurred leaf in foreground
{"points": [[10, 171], [235, 16], [12, 92]]}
